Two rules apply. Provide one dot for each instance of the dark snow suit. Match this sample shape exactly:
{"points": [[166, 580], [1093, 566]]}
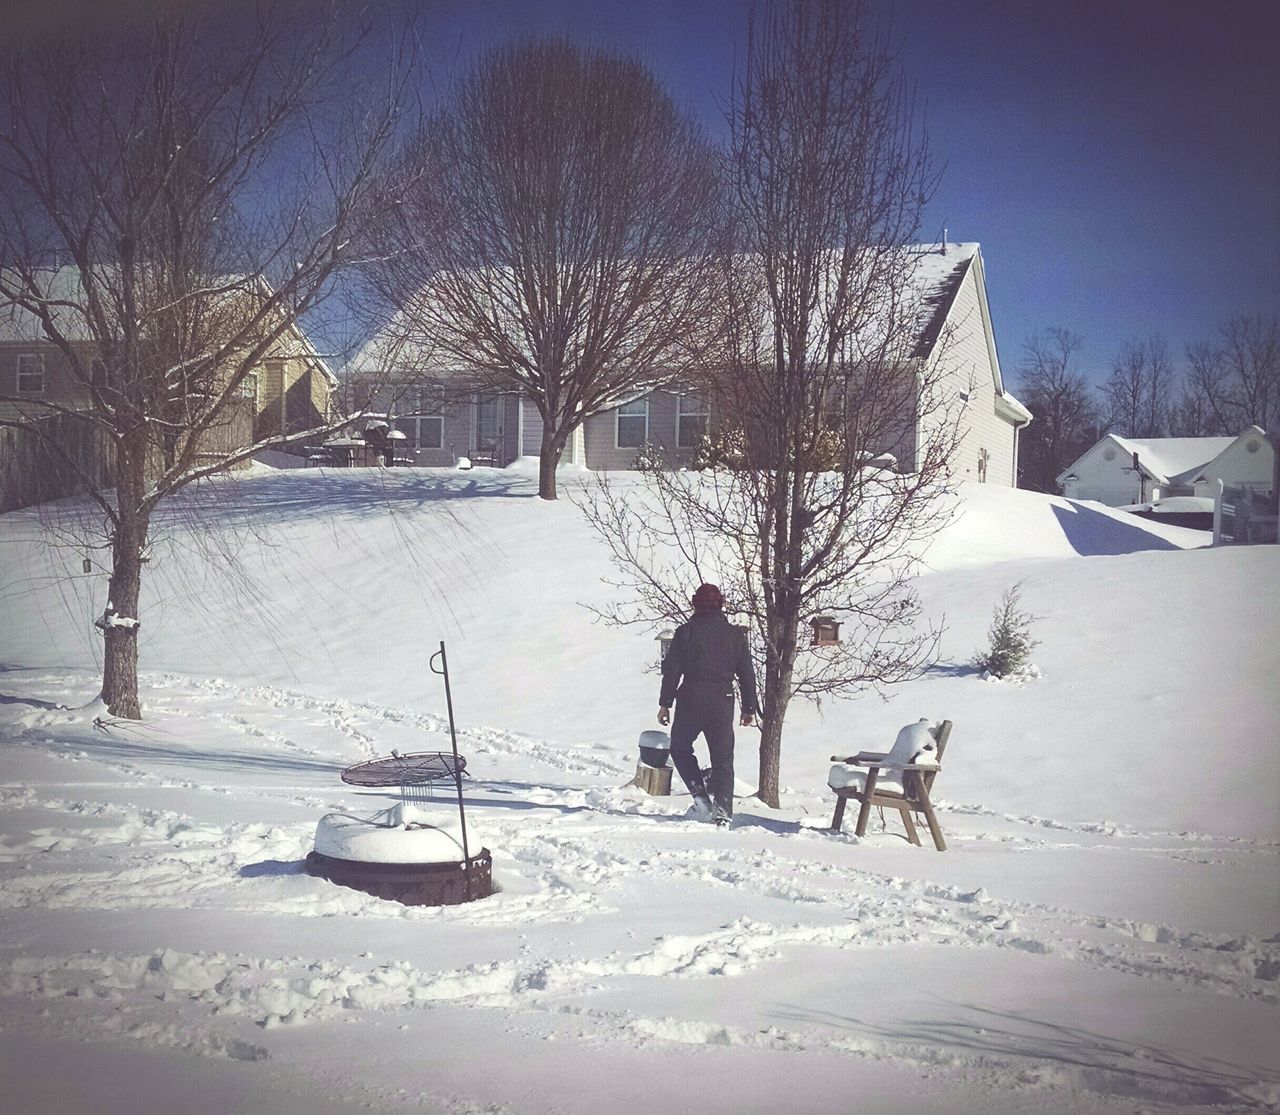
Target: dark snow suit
{"points": [[707, 652]]}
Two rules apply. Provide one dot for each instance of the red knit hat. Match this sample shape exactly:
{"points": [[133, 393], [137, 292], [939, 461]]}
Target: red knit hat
{"points": [[707, 599]]}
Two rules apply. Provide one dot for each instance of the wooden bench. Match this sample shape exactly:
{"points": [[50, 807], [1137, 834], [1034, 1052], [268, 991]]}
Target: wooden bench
{"points": [[909, 795]]}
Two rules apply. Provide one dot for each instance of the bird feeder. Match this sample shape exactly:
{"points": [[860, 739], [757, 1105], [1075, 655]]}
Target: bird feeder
{"points": [[826, 631], [663, 640]]}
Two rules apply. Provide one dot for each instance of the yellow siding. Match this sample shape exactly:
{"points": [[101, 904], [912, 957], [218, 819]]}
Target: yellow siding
{"points": [[60, 384]]}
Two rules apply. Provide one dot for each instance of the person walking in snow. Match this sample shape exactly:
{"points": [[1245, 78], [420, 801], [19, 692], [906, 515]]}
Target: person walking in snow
{"points": [[705, 655]]}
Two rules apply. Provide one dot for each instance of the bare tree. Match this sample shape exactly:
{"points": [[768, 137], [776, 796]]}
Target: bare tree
{"points": [[1067, 419], [200, 192], [556, 244], [820, 375], [1190, 414], [1138, 392], [1236, 378]]}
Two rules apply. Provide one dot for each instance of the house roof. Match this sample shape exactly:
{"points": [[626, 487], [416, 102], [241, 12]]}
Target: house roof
{"points": [[1172, 458], [1249, 431], [1169, 460], [936, 279], [63, 290], [936, 274]]}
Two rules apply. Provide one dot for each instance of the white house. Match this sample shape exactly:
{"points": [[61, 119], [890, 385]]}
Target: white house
{"points": [[1120, 471], [441, 424], [960, 335]]}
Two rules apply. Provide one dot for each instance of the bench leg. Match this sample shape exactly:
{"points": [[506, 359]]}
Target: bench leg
{"points": [[926, 807], [864, 814], [909, 825], [838, 819]]}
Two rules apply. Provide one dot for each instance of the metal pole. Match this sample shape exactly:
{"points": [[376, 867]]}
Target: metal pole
{"points": [[457, 772]]}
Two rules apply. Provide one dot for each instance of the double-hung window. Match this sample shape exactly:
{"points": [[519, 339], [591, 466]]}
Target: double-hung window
{"points": [[691, 420], [424, 428], [431, 417], [30, 373], [247, 388], [633, 424]]}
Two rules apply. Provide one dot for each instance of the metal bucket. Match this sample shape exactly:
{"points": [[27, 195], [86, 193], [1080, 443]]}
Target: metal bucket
{"points": [[655, 748]]}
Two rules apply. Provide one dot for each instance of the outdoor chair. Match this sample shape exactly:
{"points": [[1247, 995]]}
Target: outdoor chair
{"points": [[900, 778]]}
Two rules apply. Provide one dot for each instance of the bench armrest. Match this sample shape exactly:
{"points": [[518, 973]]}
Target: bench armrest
{"points": [[862, 758]]}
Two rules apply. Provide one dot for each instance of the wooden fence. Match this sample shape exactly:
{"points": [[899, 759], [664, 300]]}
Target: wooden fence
{"points": [[32, 471]]}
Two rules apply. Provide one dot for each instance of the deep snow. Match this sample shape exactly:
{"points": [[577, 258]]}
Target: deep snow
{"points": [[1103, 934]]}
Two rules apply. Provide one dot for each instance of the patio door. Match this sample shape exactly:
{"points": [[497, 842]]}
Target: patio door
{"points": [[488, 430]]}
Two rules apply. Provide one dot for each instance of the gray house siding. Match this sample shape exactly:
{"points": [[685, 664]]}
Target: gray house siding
{"points": [[601, 435], [455, 439], [532, 440]]}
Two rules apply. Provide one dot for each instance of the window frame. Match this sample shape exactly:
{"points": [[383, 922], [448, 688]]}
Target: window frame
{"points": [[249, 388], [621, 412], [704, 413], [429, 414], [20, 372]]}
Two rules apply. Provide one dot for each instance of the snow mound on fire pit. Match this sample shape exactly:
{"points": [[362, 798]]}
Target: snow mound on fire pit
{"points": [[402, 834]]}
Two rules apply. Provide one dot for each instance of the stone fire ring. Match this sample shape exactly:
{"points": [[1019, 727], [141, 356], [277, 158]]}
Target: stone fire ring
{"points": [[405, 854]]}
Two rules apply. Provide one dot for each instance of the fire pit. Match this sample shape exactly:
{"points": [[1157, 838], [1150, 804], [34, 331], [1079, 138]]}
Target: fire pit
{"points": [[406, 853]]}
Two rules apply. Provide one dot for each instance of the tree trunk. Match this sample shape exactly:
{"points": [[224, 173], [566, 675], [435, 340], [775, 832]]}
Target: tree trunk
{"points": [[553, 442], [770, 750], [778, 673], [119, 621]]}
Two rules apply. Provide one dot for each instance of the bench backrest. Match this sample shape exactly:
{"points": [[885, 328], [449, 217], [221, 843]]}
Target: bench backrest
{"points": [[943, 734]]}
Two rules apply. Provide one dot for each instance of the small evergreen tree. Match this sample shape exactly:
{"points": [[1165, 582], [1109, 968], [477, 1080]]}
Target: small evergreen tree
{"points": [[1010, 641]]}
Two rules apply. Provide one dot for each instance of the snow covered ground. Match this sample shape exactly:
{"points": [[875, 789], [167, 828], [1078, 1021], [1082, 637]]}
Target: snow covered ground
{"points": [[1103, 934]]}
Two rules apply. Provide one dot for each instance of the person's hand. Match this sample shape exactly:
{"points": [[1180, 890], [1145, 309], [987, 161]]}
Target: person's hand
{"points": [[748, 719], [664, 715]]}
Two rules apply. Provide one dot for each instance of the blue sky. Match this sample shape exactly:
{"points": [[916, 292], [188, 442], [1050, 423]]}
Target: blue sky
{"points": [[1119, 161]]}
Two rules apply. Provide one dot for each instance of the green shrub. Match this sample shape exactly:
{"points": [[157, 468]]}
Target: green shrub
{"points": [[1010, 641]]}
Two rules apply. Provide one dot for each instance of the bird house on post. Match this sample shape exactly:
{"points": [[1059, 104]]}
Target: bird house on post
{"points": [[663, 640], [826, 631]]}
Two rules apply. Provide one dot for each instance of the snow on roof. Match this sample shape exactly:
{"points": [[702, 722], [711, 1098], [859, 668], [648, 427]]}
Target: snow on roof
{"points": [[935, 281], [1171, 459], [1015, 408], [63, 289], [935, 277]]}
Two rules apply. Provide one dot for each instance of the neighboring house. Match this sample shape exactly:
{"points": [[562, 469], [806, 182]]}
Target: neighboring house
{"points": [[957, 331], [1120, 471], [443, 423], [290, 392]]}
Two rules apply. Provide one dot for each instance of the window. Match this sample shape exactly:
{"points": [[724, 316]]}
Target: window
{"points": [[633, 424], [30, 373], [248, 388], [424, 428], [408, 427], [430, 431], [691, 421], [430, 417]]}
